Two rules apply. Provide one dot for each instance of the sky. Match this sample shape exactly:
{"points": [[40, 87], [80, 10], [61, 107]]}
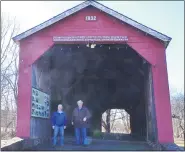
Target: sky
{"points": [[166, 17]]}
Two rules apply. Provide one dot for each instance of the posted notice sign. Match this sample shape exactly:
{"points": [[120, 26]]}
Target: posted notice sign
{"points": [[40, 104]]}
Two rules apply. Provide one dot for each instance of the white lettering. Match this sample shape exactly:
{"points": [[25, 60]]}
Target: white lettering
{"points": [[90, 18], [89, 38]]}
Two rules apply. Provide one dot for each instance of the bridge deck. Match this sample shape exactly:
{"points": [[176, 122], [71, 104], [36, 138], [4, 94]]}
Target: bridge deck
{"points": [[99, 145]]}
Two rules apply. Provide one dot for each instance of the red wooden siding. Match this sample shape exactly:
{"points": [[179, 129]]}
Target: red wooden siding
{"points": [[162, 98]]}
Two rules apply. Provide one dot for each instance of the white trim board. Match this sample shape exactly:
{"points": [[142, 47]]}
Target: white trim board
{"points": [[101, 7]]}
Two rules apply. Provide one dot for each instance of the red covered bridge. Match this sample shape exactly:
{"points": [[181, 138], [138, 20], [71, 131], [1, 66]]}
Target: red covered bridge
{"points": [[96, 54]]}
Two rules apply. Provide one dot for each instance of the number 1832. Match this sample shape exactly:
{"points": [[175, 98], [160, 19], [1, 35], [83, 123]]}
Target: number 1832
{"points": [[90, 18]]}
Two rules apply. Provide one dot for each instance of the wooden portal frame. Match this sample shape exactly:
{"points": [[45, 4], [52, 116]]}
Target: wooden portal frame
{"points": [[148, 43]]}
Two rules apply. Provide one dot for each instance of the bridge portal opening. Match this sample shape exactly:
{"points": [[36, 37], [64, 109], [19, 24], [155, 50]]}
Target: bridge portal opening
{"points": [[116, 121], [104, 76]]}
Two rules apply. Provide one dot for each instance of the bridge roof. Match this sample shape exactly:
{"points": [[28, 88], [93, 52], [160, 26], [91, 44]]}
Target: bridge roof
{"points": [[164, 38]]}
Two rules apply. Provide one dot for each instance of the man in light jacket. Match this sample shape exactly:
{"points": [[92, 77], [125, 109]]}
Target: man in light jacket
{"points": [[58, 124], [80, 118]]}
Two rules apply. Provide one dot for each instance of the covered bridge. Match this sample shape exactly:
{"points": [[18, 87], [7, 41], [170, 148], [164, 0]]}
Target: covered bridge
{"points": [[93, 53]]}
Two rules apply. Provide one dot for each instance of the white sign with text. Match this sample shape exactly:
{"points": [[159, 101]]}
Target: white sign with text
{"points": [[89, 38]]}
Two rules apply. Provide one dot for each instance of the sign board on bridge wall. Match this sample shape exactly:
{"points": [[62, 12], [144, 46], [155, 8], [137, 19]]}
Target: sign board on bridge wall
{"points": [[40, 104], [89, 38]]}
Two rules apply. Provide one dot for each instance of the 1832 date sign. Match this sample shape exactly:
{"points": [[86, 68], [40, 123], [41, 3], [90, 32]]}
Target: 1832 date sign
{"points": [[90, 18], [89, 38]]}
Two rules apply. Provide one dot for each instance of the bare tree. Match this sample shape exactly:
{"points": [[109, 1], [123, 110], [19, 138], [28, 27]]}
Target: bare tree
{"points": [[177, 104], [106, 120], [9, 70], [116, 120], [113, 118], [126, 121]]}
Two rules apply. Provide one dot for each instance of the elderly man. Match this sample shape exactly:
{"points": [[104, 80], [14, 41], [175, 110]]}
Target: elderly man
{"points": [[80, 119], [58, 124]]}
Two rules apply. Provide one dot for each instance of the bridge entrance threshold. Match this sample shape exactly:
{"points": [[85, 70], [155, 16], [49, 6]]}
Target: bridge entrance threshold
{"points": [[98, 144]]}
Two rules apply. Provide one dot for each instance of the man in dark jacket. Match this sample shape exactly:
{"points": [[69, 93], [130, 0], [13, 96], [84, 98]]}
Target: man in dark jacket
{"points": [[80, 119], [58, 124]]}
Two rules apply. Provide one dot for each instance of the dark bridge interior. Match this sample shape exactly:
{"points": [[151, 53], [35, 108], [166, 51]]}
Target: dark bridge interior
{"points": [[105, 77]]}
